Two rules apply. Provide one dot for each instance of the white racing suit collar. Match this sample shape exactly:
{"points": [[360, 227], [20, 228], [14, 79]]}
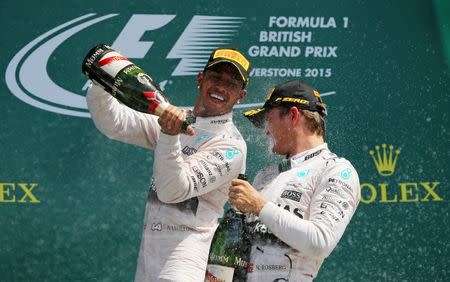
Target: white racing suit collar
{"points": [[298, 159]]}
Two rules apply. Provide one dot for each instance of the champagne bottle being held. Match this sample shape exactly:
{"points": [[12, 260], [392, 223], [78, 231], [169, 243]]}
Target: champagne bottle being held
{"points": [[125, 81], [230, 249]]}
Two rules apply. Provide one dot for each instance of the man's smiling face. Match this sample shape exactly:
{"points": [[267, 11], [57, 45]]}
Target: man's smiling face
{"points": [[220, 88]]}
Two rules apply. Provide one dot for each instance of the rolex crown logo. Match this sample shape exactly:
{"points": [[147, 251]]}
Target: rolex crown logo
{"points": [[385, 161]]}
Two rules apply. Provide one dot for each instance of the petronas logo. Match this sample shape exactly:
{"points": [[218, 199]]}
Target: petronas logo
{"points": [[385, 159]]}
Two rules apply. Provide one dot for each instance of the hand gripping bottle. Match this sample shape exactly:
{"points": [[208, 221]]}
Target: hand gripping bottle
{"points": [[125, 81], [230, 248]]}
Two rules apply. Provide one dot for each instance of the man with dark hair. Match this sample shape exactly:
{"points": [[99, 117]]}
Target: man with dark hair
{"points": [[300, 208], [191, 172]]}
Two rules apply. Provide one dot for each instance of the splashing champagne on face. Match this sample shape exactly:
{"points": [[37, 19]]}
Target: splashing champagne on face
{"points": [[270, 140], [125, 81]]}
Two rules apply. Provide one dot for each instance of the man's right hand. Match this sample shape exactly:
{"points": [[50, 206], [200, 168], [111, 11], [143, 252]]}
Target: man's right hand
{"points": [[245, 198], [171, 121]]}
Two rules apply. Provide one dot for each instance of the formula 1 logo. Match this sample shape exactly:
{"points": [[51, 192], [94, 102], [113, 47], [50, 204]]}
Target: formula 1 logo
{"points": [[28, 79]]}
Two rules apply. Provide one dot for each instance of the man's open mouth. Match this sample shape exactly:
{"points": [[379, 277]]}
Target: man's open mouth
{"points": [[217, 97]]}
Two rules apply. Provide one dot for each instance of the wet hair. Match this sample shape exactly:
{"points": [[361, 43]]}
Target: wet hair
{"points": [[314, 121]]}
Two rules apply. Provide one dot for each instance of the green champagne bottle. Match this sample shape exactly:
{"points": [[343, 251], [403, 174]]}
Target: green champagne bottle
{"points": [[125, 81], [230, 248]]}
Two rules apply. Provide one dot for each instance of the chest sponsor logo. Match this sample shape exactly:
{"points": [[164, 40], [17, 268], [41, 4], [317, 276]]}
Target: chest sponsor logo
{"points": [[200, 176], [291, 195]]}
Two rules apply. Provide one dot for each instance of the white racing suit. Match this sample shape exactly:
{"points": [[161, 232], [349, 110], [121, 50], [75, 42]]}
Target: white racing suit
{"points": [[310, 204], [191, 178]]}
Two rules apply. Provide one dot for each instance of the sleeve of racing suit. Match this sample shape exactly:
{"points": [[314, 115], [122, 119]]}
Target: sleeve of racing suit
{"points": [[118, 122], [214, 165], [332, 205]]}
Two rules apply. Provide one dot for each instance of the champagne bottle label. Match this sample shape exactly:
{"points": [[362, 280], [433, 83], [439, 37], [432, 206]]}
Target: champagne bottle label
{"points": [[112, 62], [216, 273]]}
